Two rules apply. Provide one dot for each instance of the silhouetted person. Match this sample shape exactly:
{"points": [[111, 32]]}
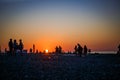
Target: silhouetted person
{"points": [[36, 51], [10, 45], [79, 49], [56, 49], [21, 45], [60, 49], [15, 46], [85, 50], [6, 50], [89, 51], [118, 49], [75, 49], [33, 48], [30, 50], [0, 49]]}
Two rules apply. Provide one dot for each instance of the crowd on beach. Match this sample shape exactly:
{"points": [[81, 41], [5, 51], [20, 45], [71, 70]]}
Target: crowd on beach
{"points": [[78, 49], [14, 47]]}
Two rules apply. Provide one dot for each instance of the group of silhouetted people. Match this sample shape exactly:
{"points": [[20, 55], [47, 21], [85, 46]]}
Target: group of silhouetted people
{"points": [[79, 50], [58, 49], [14, 46]]}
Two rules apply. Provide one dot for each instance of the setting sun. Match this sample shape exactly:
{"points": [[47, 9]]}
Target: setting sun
{"points": [[46, 51]]}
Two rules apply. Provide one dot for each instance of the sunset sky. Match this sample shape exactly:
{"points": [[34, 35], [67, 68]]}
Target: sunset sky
{"points": [[48, 23]]}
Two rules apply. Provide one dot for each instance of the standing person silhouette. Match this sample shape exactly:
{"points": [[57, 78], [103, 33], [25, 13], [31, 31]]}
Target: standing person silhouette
{"points": [[21, 45], [60, 49], [85, 50], [75, 48], [0, 49], [119, 49], [10, 45], [15, 46], [56, 49], [33, 48], [80, 49]]}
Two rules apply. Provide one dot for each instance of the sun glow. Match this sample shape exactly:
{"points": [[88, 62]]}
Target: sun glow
{"points": [[46, 51]]}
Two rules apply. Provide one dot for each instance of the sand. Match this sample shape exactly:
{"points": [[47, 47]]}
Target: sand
{"points": [[60, 67]]}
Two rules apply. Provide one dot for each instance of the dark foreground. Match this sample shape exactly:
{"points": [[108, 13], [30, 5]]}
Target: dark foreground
{"points": [[60, 67]]}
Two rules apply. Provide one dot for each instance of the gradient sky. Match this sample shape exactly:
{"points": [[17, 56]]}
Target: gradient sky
{"points": [[48, 23]]}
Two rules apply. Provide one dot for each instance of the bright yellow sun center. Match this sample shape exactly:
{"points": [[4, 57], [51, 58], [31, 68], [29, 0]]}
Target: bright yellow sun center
{"points": [[46, 50]]}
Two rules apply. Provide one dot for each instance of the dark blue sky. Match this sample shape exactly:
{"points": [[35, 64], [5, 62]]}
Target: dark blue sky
{"points": [[110, 8]]}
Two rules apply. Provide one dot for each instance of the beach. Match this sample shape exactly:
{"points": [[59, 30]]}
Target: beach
{"points": [[60, 67]]}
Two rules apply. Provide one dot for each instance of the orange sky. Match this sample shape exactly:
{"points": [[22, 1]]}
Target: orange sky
{"points": [[49, 25]]}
